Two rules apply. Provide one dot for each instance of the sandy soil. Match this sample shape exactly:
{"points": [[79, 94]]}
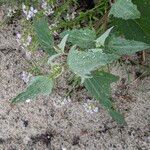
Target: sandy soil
{"points": [[50, 123]]}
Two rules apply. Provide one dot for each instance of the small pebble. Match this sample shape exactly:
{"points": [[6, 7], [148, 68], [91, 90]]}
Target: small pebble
{"points": [[28, 100]]}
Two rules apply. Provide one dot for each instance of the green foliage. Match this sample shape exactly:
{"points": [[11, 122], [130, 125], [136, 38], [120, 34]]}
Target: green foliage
{"points": [[89, 16], [139, 29], [89, 55], [122, 46], [3, 2], [99, 87], [117, 117], [39, 85], [83, 38], [19, 2], [63, 43], [83, 62], [44, 35], [124, 9], [101, 40]]}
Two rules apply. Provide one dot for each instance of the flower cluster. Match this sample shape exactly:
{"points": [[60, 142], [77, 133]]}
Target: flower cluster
{"points": [[70, 16], [48, 10], [24, 44], [90, 107], [25, 76], [29, 13], [61, 101]]}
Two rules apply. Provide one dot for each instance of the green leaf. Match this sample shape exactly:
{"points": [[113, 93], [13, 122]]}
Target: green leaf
{"points": [[44, 35], [99, 87], [139, 29], [63, 43], [83, 62], [124, 9], [122, 46], [101, 40], [117, 116], [84, 38], [39, 85]]}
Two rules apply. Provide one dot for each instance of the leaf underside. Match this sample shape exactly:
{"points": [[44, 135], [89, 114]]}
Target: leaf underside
{"points": [[62, 44], [101, 40], [122, 46], [124, 9]]}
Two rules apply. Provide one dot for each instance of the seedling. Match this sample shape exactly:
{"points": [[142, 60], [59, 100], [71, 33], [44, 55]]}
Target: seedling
{"points": [[88, 56]]}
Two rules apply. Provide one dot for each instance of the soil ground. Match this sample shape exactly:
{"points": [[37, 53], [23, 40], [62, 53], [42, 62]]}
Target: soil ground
{"points": [[50, 124]]}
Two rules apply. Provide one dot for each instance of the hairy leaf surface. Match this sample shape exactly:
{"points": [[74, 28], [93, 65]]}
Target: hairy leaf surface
{"points": [[62, 44], [83, 38], [99, 87], [101, 40], [38, 85], [45, 38], [124, 9], [117, 116], [139, 29], [83, 62], [122, 46]]}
